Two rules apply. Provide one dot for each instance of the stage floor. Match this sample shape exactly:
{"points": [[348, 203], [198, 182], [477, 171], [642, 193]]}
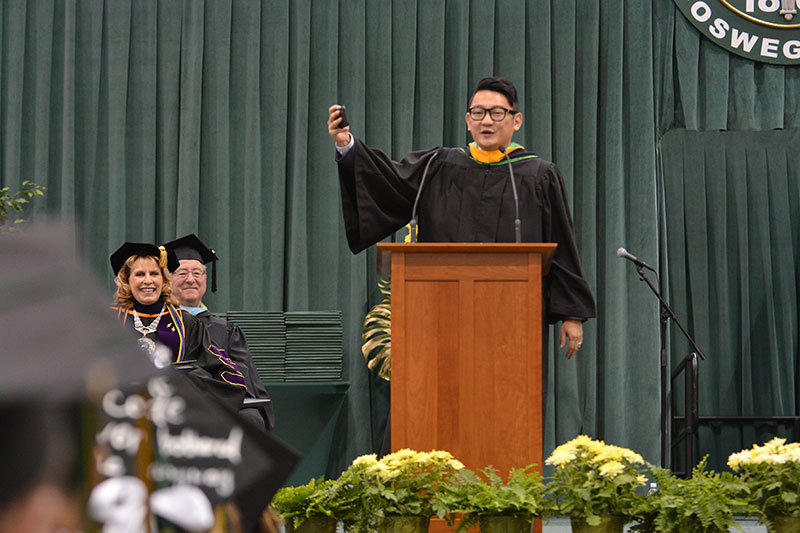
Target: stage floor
{"points": [[561, 525]]}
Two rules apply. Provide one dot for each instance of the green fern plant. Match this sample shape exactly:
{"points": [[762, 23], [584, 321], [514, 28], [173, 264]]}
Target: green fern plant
{"points": [[376, 336], [319, 497], [704, 503], [472, 498]]}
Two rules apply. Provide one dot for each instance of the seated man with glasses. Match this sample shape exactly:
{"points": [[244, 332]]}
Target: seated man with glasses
{"points": [[465, 195], [189, 284]]}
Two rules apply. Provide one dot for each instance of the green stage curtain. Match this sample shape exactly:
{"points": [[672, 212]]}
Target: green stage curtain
{"points": [[149, 119], [732, 203]]}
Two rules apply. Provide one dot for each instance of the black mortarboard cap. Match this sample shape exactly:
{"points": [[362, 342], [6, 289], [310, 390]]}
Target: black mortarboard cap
{"points": [[59, 338], [191, 247], [165, 257]]}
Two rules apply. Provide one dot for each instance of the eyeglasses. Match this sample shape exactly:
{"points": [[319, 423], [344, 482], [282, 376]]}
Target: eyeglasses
{"points": [[195, 272], [497, 113]]}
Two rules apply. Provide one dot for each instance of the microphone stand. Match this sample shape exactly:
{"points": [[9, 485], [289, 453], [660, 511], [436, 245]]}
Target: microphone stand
{"points": [[416, 200], [666, 314], [517, 231]]}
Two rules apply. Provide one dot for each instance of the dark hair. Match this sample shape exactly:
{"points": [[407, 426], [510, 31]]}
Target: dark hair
{"points": [[41, 442], [498, 85]]}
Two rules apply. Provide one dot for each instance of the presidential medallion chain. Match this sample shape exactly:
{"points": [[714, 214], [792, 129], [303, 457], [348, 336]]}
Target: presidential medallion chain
{"points": [[147, 345]]}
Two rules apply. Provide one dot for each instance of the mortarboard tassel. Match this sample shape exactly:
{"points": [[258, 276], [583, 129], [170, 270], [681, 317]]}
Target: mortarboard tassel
{"points": [[214, 272]]}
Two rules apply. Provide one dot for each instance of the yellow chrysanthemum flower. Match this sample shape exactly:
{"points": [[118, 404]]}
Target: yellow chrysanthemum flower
{"points": [[736, 460], [368, 460], [794, 454], [401, 456], [776, 451], [383, 471], [455, 463], [612, 469], [560, 457]]}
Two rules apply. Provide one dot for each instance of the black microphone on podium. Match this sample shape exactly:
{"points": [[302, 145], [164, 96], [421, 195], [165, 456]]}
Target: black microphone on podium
{"points": [[416, 200], [623, 253], [517, 234]]}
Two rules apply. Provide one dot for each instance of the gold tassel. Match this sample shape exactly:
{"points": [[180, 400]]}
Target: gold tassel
{"points": [[163, 259]]}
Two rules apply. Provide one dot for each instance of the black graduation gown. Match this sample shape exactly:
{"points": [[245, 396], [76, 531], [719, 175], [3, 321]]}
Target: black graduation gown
{"points": [[187, 338], [463, 200], [230, 338]]}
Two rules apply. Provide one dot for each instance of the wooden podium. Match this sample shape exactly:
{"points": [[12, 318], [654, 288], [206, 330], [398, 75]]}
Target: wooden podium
{"points": [[467, 349]]}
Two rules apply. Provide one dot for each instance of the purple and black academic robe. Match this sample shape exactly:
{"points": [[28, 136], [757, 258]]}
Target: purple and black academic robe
{"points": [[212, 369]]}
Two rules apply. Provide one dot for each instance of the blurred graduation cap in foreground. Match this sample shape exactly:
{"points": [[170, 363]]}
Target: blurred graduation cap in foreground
{"points": [[59, 340], [59, 344]]}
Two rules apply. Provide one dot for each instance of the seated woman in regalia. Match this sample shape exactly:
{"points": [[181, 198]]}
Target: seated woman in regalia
{"points": [[144, 303]]}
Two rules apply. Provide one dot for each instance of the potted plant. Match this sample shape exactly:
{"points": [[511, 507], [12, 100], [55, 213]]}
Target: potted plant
{"points": [[316, 506], [401, 491], [704, 503], [594, 484], [497, 505], [772, 476]]}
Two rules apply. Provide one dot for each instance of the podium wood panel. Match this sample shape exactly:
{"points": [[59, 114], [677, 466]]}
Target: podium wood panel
{"points": [[466, 350]]}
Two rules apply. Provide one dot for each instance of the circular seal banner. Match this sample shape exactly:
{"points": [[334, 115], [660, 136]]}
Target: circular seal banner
{"points": [[761, 30]]}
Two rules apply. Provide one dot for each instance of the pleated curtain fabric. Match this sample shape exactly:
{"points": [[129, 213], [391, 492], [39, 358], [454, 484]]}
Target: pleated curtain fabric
{"points": [[729, 185], [150, 119], [732, 212]]}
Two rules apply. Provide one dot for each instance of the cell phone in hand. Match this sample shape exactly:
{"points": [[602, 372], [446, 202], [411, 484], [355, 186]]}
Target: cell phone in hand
{"points": [[343, 115]]}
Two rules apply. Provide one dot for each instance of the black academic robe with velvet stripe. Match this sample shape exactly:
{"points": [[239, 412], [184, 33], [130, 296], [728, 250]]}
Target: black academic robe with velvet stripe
{"points": [[230, 338], [464, 200]]}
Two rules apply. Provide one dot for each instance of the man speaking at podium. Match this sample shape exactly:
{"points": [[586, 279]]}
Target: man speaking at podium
{"points": [[465, 194]]}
